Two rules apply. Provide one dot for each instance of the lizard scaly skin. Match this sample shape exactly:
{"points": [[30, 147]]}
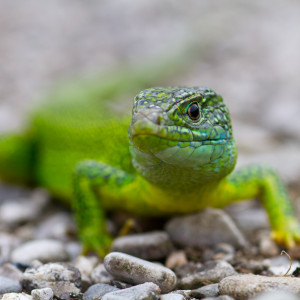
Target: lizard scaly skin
{"points": [[179, 159]]}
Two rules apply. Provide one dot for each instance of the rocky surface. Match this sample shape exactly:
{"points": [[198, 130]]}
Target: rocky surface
{"points": [[134, 270], [43, 44], [202, 229], [31, 271]]}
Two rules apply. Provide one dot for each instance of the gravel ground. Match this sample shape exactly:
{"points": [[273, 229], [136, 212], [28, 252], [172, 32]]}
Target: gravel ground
{"points": [[248, 52]]}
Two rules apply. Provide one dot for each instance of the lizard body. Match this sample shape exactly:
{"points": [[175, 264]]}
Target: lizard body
{"points": [[178, 159]]}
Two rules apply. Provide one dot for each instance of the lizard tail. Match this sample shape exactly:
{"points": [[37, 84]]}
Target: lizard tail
{"points": [[16, 158]]}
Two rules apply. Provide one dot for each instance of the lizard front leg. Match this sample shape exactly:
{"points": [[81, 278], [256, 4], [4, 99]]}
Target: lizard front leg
{"points": [[264, 183], [97, 187]]}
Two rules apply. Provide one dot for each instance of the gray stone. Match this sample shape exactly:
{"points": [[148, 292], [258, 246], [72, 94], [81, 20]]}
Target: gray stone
{"points": [[10, 271], [8, 285], [246, 286], [176, 258], [42, 294], [211, 290], [8, 242], [212, 271], [43, 250], [63, 279], [135, 270], [243, 214], [149, 246], [100, 275], [21, 210], [145, 291], [57, 226], [74, 249], [85, 265], [97, 291], [172, 296], [277, 295], [223, 297], [206, 228], [16, 296]]}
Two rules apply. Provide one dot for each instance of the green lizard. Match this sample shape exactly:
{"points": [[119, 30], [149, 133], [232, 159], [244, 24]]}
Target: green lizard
{"points": [[177, 157]]}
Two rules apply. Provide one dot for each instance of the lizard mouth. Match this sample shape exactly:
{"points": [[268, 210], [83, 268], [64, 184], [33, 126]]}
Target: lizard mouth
{"points": [[177, 145]]}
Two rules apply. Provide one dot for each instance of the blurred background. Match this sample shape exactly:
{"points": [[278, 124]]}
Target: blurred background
{"points": [[248, 51]]}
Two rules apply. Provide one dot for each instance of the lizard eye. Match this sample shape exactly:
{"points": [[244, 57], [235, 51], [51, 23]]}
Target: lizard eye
{"points": [[193, 111]]}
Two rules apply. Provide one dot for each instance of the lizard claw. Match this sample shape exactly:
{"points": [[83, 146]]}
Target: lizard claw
{"points": [[288, 236]]}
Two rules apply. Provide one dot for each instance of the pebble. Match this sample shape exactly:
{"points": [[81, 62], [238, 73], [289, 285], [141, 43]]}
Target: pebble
{"points": [[176, 258], [15, 212], [57, 226], [8, 242], [243, 214], [100, 275], [172, 296], [267, 247], [16, 296], [145, 291], [135, 270], [43, 250], [42, 294], [211, 271], [206, 228], [63, 279], [8, 285], [97, 291], [277, 295], [211, 290], [150, 246], [85, 264], [249, 285], [223, 297], [10, 271]]}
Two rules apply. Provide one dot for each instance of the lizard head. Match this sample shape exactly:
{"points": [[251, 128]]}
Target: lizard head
{"points": [[186, 127]]}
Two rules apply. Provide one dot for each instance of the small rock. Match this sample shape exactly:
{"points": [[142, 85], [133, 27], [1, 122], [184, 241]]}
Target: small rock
{"points": [[43, 250], [85, 265], [73, 249], [63, 279], [8, 285], [16, 296], [211, 271], [57, 226], [206, 228], [7, 243], [211, 290], [42, 294], [21, 210], [189, 268], [149, 246], [277, 295], [223, 297], [267, 247], [246, 286], [172, 296], [223, 252], [145, 291], [10, 271], [97, 291], [243, 214], [100, 275], [176, 258], [135, 270]]}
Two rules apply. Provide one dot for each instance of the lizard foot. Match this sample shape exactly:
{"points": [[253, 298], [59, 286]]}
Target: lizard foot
{"points": [[289, 236]]}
